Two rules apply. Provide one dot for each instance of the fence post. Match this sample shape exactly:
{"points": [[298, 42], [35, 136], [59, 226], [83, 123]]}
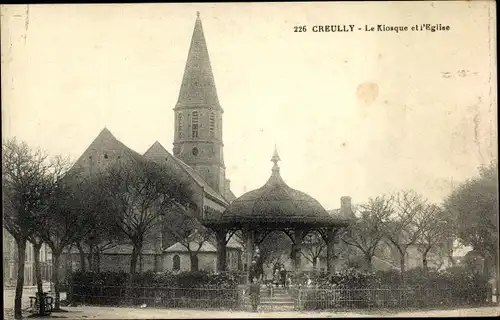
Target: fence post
{"points": [[173, 298], [69, 297], [299, 296]]}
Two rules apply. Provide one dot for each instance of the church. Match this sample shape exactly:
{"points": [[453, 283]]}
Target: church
{"points": [[197, 155]]}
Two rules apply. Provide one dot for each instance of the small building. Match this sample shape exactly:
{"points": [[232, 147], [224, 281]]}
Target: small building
{"points": [[177, 256]]}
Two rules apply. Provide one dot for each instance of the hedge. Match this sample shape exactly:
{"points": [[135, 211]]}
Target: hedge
{"points": [[358, 290], [186, 289]]}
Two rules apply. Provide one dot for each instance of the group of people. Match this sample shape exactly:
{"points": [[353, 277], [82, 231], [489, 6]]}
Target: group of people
{"points": [[280, 276]]}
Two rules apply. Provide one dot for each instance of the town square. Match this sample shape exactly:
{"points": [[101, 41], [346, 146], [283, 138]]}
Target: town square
{"points": [[213, 161]]}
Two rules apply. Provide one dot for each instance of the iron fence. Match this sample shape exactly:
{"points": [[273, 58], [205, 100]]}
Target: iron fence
{"points": [[300, 298], [391, 298], [158, 297]]}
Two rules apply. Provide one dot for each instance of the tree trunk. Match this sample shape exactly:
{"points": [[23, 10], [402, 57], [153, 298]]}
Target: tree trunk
{"points": [[38, 270], [55, 274], [402, 266], [97, 260], [368, 261], [21, 256], [315, 263], [424, 260], [68, 261], [90, 258], [140, 262], [82, 257], [133, 259], [221, 250]]}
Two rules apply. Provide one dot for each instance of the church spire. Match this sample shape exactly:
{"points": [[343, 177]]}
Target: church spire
{"points": [[275, 158], [198, 84]]}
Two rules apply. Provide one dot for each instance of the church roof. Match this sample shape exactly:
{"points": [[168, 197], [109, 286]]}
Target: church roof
{"points": [[158, 152], [230, 196], [275, 204], [105, 144], [178, 247], [198, 84], [207, 246], [127, 249]]}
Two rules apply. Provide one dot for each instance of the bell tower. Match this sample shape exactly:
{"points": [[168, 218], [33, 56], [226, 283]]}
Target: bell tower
{"points": [[198, 115]]}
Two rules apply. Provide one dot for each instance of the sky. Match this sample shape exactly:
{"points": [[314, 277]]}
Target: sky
{"points": [[356, 114]]}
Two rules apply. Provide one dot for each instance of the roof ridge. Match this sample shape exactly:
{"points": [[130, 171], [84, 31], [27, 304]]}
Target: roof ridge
{"points": [[190, 171], [154, 144]]}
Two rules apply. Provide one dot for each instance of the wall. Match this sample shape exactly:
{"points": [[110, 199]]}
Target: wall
{"points": [[207, 261]]}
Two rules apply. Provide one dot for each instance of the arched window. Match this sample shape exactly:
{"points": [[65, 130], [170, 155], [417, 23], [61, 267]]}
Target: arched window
{"points": [[194, 124], [179, 125], [176, 262], [212, 124]]}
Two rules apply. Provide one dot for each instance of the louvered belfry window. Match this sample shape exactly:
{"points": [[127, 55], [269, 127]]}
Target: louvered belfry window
{"points": [[212, 124], [194, 124], [179, 125]]}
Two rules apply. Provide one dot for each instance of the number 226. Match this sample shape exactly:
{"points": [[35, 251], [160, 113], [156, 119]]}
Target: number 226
{"points": [[299, 29]]}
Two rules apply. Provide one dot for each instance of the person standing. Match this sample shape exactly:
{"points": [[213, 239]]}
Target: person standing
{"points": [[283, 276], [254, 293], [276, 278]]}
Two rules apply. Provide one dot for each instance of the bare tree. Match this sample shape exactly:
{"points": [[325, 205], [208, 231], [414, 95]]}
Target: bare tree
{"points": [[105, 233], [313, 246], [435, 231], [273, 247], [367, 231], [189, 232], [401, 228], [26, 188], [67, 222], [141, 192]]}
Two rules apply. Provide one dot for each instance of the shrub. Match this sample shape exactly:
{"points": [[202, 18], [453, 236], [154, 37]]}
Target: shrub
{"points": [[168, 289], [355, 289], [342, 289]]}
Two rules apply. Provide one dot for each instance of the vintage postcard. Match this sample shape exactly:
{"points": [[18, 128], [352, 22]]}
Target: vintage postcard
{"points": [[214, 160]]}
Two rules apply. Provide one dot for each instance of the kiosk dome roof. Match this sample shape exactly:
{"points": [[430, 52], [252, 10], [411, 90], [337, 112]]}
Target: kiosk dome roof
{"points": [[277, 203]]}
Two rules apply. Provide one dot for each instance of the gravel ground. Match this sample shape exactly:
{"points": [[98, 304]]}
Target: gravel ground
{"points": [[10, 293], [146, 313]]}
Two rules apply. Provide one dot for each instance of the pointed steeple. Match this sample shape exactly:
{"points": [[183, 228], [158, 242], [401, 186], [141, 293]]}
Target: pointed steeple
{"points": [[275, 158], [198, 84], [275, 178]]}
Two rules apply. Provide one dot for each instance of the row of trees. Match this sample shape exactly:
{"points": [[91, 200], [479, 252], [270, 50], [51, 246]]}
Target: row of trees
{"points": [[47, 201], [469, 214], [406, 220], [403, 220]]}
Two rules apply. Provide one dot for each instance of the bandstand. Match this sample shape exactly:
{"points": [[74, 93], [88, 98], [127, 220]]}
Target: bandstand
{"points": [[274, 207]]}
